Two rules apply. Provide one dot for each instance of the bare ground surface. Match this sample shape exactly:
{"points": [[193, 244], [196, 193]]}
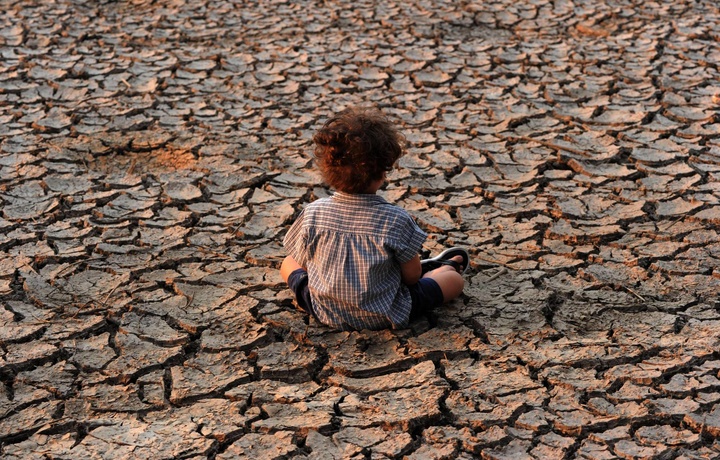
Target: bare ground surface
{"points": [[153, 154]]}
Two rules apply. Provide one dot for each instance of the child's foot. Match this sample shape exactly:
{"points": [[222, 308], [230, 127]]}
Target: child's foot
{"points": [[453, 259], [447, 266]]}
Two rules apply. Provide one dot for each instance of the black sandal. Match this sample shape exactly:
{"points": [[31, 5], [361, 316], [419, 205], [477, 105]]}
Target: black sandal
{"points": [[444, 258]]}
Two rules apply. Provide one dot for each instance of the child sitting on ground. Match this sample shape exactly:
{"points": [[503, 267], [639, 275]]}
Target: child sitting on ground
{"points": [[353, 258]]}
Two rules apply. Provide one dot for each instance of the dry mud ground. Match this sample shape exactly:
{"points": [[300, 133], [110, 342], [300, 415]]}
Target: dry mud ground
{"points": [[153, 154]]}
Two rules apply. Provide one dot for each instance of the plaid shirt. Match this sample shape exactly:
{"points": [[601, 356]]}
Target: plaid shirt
{"points": [[352, 247]]}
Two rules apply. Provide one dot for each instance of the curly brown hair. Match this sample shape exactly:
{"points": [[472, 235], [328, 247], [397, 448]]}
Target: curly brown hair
{"points": [[356, 147]]}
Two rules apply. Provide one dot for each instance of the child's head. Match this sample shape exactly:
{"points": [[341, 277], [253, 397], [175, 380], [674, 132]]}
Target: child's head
{"points": [[355, 148]]}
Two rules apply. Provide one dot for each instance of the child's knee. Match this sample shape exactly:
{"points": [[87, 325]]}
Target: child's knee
{"points": [[288, 266], [459, 283], [452, 284]]}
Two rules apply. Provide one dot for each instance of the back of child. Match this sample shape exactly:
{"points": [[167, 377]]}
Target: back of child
{"points": [[353, 258]]}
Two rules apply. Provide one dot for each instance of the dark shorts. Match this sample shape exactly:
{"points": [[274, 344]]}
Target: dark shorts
{"points": [[425, 294], [298, 283]]}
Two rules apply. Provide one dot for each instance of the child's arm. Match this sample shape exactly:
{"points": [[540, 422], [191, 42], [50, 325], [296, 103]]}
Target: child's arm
{"points": [[411, 271]]}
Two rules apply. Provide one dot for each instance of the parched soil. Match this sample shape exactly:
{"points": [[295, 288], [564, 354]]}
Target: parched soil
{"points": [[154, 153]]}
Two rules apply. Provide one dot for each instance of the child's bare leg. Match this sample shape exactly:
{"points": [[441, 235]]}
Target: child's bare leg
{"points": [[288, 266], [451, 282]]}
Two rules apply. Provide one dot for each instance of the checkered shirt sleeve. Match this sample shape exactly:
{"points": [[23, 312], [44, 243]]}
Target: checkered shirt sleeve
{"points": [[295, 241]]}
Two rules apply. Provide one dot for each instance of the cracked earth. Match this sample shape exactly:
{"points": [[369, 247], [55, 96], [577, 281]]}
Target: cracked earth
{"points": [[153, 154]]}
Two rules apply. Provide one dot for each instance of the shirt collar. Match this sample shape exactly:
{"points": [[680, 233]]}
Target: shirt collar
{"points": [[358, 197]]}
